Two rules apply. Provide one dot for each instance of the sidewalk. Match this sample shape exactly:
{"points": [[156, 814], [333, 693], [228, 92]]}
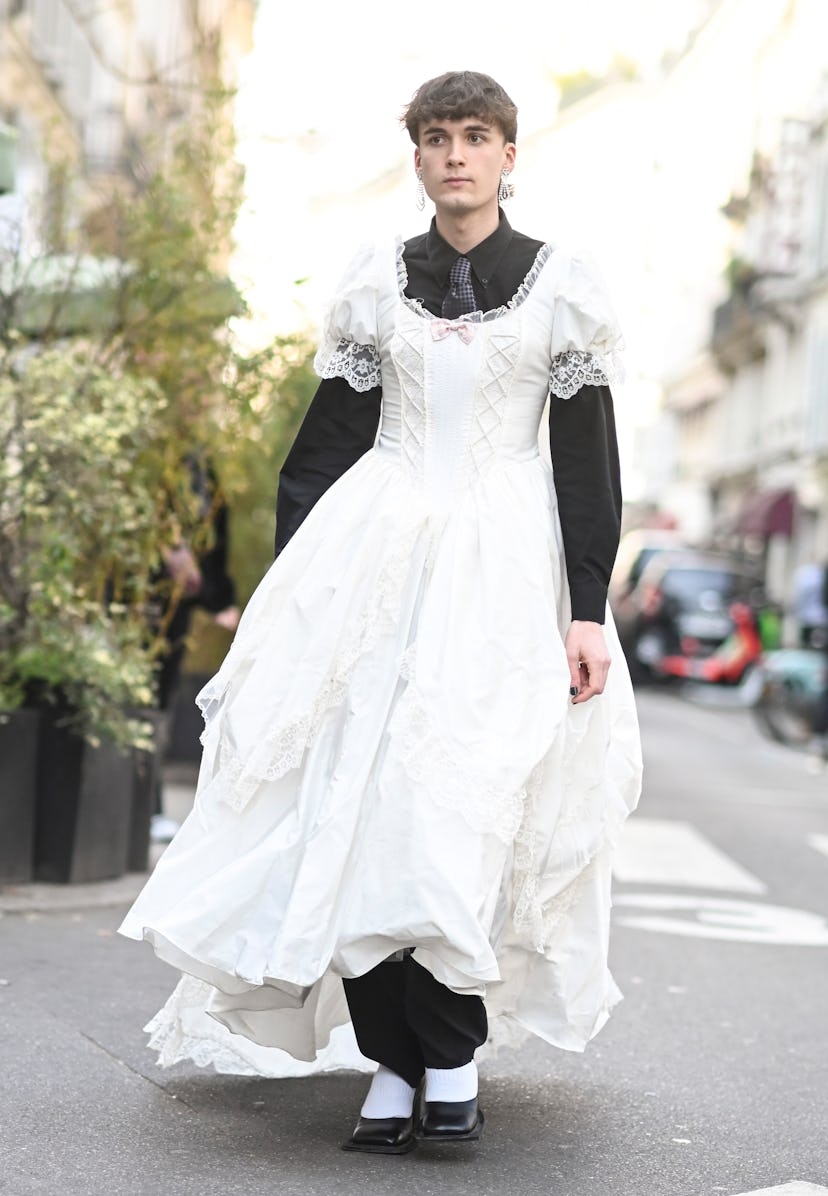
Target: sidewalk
{"points": [[179, 791]]}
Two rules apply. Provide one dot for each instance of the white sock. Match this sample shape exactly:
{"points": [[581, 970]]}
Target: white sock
{"points": [[388, 1096], [451, 1083]]}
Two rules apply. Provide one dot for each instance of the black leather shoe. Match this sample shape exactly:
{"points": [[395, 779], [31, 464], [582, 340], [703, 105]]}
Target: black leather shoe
{"points": [[451, 1121], [382, 1135]]}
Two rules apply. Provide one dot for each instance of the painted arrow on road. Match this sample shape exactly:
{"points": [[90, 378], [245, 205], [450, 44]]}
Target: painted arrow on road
{"points": [[792, 1189]]}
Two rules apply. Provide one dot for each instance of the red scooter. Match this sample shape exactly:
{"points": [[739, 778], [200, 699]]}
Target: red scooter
{"points": [[728, 664]]}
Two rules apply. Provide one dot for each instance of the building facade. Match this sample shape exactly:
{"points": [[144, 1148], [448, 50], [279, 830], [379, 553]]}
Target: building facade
{"points": [[82, 85], [750, 413]]}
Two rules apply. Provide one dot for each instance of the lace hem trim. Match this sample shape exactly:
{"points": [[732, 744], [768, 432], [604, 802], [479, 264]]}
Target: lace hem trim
{"points": [[238, 776], [573, 369], [474, 317], [537, 921], [174, 1045], [358, 364]]}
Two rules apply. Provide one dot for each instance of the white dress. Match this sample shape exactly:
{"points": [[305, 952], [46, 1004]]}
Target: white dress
{"points": [[391, 756]]}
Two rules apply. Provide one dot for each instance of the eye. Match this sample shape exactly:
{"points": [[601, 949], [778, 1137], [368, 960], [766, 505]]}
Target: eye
{"points": [[475, 138], [435, 139]]}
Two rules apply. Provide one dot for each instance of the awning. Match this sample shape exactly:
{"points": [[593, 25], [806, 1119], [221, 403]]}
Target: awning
{"points": [[767, 513]]}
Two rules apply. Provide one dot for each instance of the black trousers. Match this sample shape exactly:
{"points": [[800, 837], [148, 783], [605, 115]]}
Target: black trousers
{"points": [[408, 1021]]}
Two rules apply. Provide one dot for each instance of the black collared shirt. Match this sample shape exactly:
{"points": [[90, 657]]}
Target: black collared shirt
{"points": [[341, 423], [498, 266]]}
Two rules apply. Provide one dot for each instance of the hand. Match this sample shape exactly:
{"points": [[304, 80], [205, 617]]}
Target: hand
{"points": [[182, 568], [227, 618], [589, 659]]}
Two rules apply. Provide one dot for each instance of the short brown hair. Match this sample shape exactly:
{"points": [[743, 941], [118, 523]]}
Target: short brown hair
{"points": [[459, 94]]}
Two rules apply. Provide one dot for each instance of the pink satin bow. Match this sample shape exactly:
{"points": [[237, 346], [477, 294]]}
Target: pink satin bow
{"points": [[440, 329]]}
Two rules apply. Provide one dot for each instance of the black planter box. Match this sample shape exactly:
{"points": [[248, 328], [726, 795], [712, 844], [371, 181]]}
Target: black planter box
{"points": [[146, 777], [18, 776], [83, 808]]}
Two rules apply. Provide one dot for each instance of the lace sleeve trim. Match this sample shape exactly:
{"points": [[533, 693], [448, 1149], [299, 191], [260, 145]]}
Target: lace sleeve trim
{"points": [[358, 364], [574, 368]]}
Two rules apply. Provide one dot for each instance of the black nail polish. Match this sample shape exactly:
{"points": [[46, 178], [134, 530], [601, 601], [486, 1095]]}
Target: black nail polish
{"points": [[573, 689]]}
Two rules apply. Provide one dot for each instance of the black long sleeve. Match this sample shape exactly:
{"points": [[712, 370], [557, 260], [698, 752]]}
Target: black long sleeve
{"points": [[584, 449], [339, 427]]}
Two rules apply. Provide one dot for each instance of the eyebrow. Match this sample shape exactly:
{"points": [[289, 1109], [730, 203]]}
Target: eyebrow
{"points": [[466, 129]]}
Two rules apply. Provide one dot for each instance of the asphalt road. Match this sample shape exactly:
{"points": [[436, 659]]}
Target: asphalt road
{"points": [[711, 1077]]}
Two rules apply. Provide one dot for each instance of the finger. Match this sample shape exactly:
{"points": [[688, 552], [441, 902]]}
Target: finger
{"points": [[575, 677], [596, 679]]}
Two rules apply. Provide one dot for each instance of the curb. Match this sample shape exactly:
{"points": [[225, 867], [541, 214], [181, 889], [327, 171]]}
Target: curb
{"points": [[71, 899]]}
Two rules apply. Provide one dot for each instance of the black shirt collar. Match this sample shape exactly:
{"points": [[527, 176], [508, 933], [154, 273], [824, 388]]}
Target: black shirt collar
{"points": [[484, 258]]}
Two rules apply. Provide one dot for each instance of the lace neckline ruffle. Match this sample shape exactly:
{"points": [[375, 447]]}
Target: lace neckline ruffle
{"points": [[474, 317]]}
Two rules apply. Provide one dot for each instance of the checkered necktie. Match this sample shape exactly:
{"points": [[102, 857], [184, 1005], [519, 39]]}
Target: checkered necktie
{"points": [[460, 297]]}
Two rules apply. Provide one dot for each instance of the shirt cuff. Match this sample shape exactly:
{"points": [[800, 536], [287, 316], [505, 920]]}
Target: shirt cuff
{"points": [[589, 602]]}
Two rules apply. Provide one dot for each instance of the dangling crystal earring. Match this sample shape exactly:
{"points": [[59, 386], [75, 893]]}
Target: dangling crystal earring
{"points": [[504, 191], [419, 194]]}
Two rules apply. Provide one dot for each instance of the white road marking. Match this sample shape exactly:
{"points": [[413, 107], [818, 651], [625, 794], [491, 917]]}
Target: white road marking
{"points": [[660, 851], [819, 842], [722, 918], [800, 1188]]}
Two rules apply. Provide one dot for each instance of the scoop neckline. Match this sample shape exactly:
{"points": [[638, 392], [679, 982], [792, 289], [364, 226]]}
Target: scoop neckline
{"points": [[473, 317]]}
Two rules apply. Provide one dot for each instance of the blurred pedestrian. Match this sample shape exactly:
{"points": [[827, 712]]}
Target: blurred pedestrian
{"points": [[195, 582], [809, 605], [416, 755], [815, 607]]}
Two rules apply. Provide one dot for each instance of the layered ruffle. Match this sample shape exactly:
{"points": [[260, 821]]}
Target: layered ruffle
{"points": [[391, 759]]}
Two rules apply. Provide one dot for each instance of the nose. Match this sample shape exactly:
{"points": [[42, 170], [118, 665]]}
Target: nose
{"points": [[456, 150]]}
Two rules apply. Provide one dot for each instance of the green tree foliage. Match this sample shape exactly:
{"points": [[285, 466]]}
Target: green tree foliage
{"points": [[119, 369], [79, 521]]}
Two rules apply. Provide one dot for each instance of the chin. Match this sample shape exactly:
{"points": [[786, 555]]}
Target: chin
{"points": [[455, 202]]}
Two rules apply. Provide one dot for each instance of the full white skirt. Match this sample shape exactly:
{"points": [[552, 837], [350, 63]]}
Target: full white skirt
{"points": [[391, 759]]}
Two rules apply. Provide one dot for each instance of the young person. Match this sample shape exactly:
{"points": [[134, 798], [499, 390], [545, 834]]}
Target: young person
{"points": [[417, 756]]}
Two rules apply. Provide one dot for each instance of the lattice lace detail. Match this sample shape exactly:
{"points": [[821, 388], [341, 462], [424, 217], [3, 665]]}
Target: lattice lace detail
{"points": [[429, 760], [407, 353], [239, 776], [573, 369], [502, 352], [358, 364]]}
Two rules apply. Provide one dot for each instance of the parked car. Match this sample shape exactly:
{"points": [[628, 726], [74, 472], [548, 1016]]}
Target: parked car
{"points": [[636, 550], [683, 606]]}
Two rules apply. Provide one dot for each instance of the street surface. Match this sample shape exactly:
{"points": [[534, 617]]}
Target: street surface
{"points": [[711, 1077]]}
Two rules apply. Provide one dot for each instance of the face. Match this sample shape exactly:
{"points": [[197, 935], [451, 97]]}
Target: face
{"points": [[461, 161]]}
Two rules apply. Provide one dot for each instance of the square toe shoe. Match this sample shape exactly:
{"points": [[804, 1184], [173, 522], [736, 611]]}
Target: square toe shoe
{"points": [[382, 1135], [450, 1121]]}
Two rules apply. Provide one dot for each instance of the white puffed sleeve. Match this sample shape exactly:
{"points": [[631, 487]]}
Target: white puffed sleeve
{"points": [[586, 339], [349, 348]]}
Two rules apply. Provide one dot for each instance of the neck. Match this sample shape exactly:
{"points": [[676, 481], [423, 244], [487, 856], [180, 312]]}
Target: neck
{"points": [[464, 230]]}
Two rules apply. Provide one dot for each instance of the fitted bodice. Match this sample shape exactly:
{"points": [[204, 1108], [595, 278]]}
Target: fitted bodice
{"points": [[462, 397], [459, 397]]}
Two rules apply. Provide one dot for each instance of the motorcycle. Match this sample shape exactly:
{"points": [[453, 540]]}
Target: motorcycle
{"points": [[789, 685]]}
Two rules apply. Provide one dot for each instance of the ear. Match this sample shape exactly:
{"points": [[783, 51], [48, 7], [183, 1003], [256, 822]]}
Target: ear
{"points": [[417, 158], [510, 152]]}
